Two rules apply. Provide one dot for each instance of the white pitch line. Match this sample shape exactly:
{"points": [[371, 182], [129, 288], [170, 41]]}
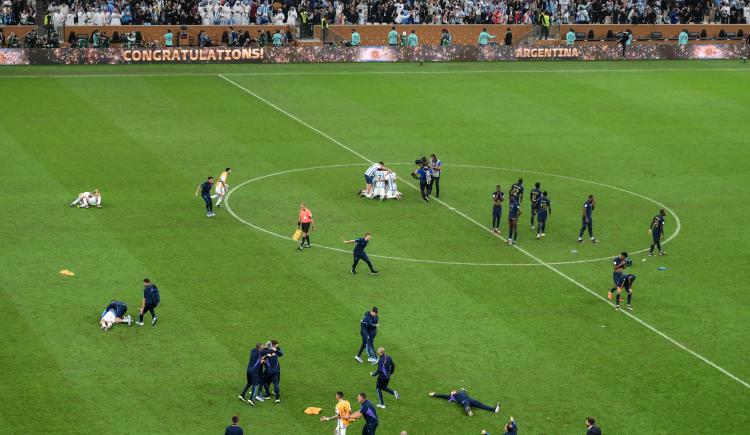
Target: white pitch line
{"points": [[533, 257], [374, 72]]}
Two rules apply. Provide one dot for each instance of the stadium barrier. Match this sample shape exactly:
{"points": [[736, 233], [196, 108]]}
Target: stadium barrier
{"points": [[318, 54]]}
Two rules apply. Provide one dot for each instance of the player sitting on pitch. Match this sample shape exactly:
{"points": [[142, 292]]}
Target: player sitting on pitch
{"points": [[113, 314], [86, 199], [462, 398]]}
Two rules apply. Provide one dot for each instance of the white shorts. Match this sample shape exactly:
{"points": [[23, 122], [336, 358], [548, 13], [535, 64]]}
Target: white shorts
{"points": [[340, 428], [108, 318], [220, 190]]}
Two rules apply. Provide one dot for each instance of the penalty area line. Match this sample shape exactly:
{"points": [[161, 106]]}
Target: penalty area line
{"points": [[528, 254]]}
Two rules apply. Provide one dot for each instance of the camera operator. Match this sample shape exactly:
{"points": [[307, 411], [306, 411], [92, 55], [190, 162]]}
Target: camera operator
{"points": [[436, 165], [424, 174]]}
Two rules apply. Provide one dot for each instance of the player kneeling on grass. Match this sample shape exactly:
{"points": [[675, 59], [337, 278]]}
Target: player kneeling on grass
{"points": [[88, 199], [391, 191], [461, 397], [626, 282], [113, 314]]}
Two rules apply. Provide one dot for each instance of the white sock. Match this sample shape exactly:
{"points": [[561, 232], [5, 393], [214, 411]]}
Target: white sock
{"points": [[219, 201], [214, 196]]}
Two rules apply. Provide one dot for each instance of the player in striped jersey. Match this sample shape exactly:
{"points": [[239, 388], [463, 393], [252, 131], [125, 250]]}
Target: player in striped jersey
{"points": [[221, 187], [378, 182], [392, 189], [370, 175]]}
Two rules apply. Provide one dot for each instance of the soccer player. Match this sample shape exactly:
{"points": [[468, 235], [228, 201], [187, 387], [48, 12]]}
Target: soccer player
{"points": [[618, 265], [534, 196], [87, 199], [436, 165], [657, 232], [113, 314], [369, 320], [510, 428], [392, 192], [150, 301], [305, 221], [253, 373], [586, 220], [379, 180], [273, 369], [462, 398], [514, 212], [626, 282], [205, 190], [385, 370], [544, 208], [359, 253], [234, 428], [343, 411], [369, 175], [591, 427], [368, 412], [222, 186], [516, 191], [497, 208], [424, 174]]}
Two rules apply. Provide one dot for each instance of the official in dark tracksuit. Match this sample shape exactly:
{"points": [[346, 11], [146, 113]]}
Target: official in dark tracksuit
{"points": [[273, 369], [368, 412], [462, 398], [150, 301], [205, 190], [385, 370], [257, 356], [360, 254], [369, 322]]}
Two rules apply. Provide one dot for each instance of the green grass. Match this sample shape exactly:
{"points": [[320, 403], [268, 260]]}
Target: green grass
{"points": [[547, 350]]}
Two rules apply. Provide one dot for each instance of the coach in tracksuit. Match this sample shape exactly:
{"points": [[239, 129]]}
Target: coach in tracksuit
{"points": [[368, 320], [253, 373], [385, 370], [273, 369], [150, 301]]}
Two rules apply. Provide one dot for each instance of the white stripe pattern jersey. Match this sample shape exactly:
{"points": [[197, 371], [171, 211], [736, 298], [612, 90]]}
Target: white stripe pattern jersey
{"points": [[391, 179], [371, 170]]}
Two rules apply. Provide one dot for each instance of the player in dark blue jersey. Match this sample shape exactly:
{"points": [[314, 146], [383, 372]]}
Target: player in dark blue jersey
{"points": [[461, 397], [514, 212], [586, 220], [360, 254], [516, 191], [497, 208], [626, 282], [205, 190], [543, 210], [534, 196], [657, 232], [618, 266]]}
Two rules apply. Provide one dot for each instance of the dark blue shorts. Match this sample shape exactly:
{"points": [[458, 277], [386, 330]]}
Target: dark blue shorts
{"points": [[497, 210], [617, 277], [656, 235], [368, 179], [121, 310], [361, 255], [541, 216]]}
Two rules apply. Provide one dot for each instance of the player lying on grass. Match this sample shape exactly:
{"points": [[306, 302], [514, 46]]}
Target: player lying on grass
{"points": [[113, 314], [86, 199], [510, 428], [461, 397]]}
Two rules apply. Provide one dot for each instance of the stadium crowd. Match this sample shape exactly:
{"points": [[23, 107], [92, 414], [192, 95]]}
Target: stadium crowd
{"points": [[293, 12]]}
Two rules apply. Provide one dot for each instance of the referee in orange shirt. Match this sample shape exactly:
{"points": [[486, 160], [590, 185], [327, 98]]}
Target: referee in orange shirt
{"points": [[304, 222]]}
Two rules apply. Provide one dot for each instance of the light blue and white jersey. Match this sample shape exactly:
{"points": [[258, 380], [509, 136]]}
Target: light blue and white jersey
{"points": [[371, 170]]}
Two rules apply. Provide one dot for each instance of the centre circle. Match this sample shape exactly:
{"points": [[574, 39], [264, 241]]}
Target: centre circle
{"points": [[442, 262]]}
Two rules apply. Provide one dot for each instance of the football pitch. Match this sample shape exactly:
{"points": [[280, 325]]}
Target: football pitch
{"points": [[529, 326]]}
